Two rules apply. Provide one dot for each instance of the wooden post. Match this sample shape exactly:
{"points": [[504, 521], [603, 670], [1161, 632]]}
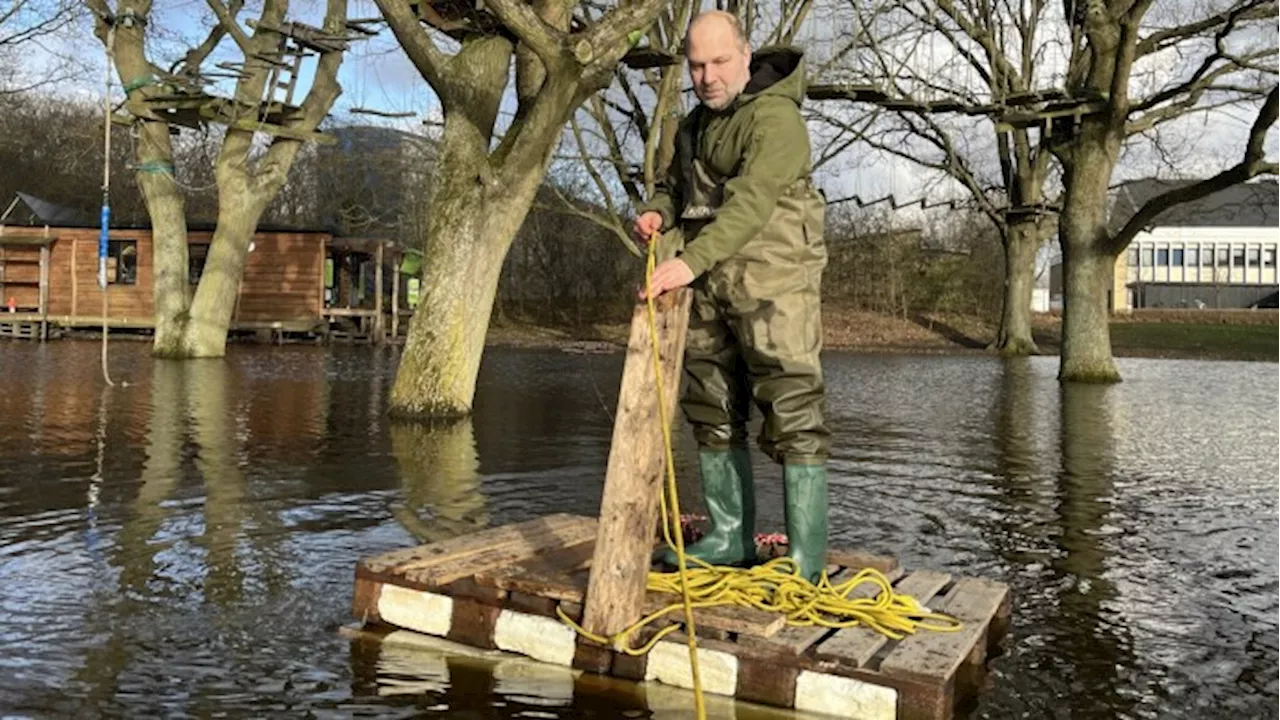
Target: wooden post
{"points": [[75, 286], [379, 333], [395, 298], [44, 292], [637, 463]]}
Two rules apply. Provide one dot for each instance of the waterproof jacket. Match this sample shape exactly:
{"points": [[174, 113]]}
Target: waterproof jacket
{"points": [[733, 167]]}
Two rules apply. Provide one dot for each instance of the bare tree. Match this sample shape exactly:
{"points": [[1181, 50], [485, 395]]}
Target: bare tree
{"points": [[483, 190], [943, 69], [23, 25], [247, 174], [1136, 67], [1082, 82]]}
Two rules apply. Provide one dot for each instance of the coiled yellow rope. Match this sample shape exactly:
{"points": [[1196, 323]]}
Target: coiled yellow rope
{"points": [[773, 586]]}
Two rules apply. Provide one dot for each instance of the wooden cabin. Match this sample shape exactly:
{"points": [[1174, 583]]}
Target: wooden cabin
{"points": [[49, 280]]}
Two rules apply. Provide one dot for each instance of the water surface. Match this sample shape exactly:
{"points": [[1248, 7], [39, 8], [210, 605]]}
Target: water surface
{"points": [[184, 545]]}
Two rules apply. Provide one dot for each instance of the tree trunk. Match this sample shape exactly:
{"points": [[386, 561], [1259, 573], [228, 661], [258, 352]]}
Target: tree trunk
{"points": [[219, 288], [164, 200], [167, 209], [471, 230], [1087, 268], [1022, 241]]}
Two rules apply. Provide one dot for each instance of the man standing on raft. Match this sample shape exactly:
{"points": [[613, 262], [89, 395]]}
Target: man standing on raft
{"points": [[739, 190]]}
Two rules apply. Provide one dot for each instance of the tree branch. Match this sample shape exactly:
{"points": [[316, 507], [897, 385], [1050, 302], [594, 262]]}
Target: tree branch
{"points": [[519, 17], [604, 40], [227, 19], [616, 153], [568, 207], [591, 168], [1254, 163], [431, 63], [1251, 10]]}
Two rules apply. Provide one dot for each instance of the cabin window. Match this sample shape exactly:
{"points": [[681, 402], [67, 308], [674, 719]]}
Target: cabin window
{"points": [[196, 255], [122, 262], [1269, 258], [1193, 257]]}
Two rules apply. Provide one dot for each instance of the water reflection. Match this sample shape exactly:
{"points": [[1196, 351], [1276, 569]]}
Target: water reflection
{"points": [[431, 674], [440, 474], [1087, 626]]}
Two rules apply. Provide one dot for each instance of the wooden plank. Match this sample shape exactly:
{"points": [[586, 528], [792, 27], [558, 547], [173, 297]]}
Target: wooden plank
{"points": [[425, 555], [937, 655], [857, 645], [443, 572], [629, 504], [554, 585]]}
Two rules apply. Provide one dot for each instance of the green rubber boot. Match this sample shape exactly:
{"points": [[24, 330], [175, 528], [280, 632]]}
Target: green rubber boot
{"points": [[729, 491], [806, 500]]}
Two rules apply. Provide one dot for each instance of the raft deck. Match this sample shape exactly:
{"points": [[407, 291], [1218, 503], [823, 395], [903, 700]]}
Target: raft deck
{"points": [[500, 589]]}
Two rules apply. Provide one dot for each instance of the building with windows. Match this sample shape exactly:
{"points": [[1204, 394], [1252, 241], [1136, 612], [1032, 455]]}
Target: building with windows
{"points": [[1218, 252]]}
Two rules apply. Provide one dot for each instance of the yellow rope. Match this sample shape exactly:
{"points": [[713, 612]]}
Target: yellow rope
{"points": [[773, 586]]}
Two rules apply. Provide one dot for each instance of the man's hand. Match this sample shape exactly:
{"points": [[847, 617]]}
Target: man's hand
{"points": [[646, 225], [668, 275]]}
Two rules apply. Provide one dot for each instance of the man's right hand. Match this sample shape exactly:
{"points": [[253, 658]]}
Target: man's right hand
{"points": [[646, 225]]}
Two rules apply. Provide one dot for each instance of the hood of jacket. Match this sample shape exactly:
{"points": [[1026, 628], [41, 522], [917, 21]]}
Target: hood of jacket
{"points": [[776, 70]]}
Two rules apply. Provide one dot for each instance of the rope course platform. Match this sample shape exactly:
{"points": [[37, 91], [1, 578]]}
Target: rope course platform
{"points": [[184, 101]]}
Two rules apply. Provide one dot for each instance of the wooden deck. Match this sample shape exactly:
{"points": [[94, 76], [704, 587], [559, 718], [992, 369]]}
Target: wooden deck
{"points": [[500, 588]]}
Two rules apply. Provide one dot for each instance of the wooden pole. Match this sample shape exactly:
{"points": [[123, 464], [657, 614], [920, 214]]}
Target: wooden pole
{"points": [[637, 463], [379, 333], [395, 299], [44, 292], [75, 288]]}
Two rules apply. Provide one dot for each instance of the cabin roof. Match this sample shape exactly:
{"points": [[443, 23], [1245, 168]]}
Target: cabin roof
{"points": [[31, 211]]}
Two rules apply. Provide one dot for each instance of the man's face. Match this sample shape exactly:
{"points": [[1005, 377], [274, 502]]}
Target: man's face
{"points": [[718, 67]]}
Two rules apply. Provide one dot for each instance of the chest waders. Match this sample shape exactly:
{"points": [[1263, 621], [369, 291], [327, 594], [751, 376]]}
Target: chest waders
{"points": [[755, 335]]}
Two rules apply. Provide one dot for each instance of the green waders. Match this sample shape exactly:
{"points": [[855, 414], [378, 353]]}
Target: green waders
{"points": [[755, 335]]}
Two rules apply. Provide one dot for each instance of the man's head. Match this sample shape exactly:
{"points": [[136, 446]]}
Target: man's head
{"points": [[719, 58]]}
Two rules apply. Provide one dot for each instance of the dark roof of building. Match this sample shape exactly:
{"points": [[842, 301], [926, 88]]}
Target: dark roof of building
{"points": [[1252, 204], [32, 211]]}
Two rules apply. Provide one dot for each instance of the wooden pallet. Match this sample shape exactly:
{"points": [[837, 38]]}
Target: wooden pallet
{"points": [[22, 330], [500, 589]]}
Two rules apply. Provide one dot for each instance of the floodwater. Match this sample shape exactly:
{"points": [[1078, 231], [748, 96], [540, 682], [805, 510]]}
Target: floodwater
{"points": [[184, 545]]}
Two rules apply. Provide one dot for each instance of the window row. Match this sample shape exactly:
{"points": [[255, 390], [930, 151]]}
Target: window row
{"points": [[1235, 256]]}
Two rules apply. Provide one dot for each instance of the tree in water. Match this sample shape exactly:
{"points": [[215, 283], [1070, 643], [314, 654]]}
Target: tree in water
{"points": [[1141, 67], [191, 325], [1003, 60], [484, 189]]}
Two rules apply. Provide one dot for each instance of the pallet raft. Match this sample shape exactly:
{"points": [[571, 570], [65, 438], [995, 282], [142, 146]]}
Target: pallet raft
{"points": [[500, 589]]}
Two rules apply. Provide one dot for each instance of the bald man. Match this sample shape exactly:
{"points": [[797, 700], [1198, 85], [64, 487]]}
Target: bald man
{"points": [[739, 193]]}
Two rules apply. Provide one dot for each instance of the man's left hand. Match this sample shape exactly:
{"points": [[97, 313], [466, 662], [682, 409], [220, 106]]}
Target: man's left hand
{"points": [[668, 275]]}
